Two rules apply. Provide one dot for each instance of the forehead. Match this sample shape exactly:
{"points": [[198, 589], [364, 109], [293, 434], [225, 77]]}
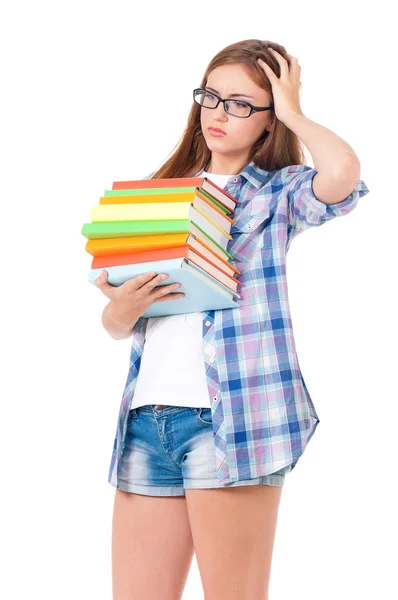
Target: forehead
{"points": [[233, 80]]}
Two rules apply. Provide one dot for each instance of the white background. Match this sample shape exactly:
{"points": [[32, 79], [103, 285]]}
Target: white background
{"points": [[81, 107]]}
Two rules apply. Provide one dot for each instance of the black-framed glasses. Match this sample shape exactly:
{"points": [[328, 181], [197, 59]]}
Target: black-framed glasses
{"points": [[236, 108]]}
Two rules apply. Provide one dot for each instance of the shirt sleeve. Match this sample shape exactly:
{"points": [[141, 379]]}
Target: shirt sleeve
{"points": [[140, 322], [304, 208]]}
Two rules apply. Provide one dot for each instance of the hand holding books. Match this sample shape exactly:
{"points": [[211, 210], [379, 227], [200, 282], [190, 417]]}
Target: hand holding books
{"points": [[131, 299], [180, 227]]}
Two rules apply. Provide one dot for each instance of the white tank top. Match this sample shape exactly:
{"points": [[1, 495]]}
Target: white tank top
{"points": [[172, 369]]}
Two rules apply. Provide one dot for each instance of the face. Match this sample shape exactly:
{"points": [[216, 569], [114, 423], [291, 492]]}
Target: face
{"points": [[230, 153]]}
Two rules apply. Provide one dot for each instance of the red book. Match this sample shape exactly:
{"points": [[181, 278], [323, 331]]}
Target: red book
{"points": [[180, 252]]}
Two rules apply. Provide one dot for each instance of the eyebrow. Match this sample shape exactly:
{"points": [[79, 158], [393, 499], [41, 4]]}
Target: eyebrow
{"points": [[230, 96]]}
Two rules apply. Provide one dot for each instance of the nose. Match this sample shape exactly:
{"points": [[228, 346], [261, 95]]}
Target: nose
{"points": [[220, 112]]}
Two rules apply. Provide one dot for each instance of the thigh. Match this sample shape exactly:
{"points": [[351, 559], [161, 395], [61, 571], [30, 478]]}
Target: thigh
{"points": [[152, 547], [233, 532]]}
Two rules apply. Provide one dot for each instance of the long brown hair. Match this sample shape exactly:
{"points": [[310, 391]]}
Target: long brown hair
{"points": [[275, 149]]}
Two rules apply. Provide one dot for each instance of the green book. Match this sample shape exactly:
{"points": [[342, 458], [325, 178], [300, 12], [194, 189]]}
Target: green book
{"points": [[119, 229]]}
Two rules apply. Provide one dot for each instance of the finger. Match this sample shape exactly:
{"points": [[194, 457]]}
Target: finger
{"points": [[156, 281], [139, 280], [103, 285], [294, 65], [284, 66], [175, 296], [162, 290], [101, 279], [268, 71]]}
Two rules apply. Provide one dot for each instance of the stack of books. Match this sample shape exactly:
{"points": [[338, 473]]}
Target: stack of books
{"points": [[176, 226]]}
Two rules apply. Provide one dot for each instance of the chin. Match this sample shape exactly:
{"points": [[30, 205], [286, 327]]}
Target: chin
{"points": [[213, 141]]}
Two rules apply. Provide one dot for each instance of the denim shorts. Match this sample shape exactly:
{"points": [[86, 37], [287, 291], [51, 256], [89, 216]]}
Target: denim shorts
{"points": [[170, 448]]}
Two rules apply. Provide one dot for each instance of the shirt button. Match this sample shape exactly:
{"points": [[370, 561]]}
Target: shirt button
{"points": [[235, 179], [207, 322]]}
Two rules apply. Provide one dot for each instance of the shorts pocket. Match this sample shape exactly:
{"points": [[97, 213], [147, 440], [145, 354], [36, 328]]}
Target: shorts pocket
{"points": [[204, 415], [133, 414]]}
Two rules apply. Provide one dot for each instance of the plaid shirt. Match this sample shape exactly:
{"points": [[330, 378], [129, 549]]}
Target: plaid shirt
{"points": [[263, 415]]}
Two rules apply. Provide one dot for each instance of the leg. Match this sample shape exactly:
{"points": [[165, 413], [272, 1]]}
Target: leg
{"points": [[233, 532], [152, 547]]}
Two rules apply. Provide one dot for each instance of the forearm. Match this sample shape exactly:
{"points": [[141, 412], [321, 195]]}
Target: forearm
{"points": [[116, 329], [330, 153]]}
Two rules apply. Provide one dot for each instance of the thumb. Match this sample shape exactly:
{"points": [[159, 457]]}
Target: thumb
{"points": [[102, 283]]}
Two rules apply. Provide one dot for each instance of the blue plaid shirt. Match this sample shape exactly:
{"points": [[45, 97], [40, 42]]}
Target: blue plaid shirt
{"points": [[263, 415]]}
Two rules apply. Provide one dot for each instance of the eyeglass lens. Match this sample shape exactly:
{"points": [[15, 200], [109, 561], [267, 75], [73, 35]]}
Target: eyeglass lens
{"points": [[237, 108]]}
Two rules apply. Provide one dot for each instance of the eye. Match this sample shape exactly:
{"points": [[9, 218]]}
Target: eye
{"points": [[239, 103]]}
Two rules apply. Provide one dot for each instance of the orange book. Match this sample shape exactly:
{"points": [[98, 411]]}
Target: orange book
{"points": [[106, 246]]}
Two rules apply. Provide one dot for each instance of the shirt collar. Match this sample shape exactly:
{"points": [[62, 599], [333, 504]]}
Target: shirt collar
{"points": [[254, 174]]}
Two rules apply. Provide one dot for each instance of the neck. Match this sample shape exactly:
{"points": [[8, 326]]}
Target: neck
{"points": [[223, 165]]}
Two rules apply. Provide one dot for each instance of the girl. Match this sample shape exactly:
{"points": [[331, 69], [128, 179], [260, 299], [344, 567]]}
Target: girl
{"points": [[204, 470]]}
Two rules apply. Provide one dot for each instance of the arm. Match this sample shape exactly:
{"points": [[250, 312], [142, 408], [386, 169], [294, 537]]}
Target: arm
{"points": [[331, 189], [337, 166], [116, 329]]}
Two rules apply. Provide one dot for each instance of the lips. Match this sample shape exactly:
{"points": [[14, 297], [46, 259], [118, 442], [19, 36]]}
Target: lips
{"points": [[217, 130]]}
